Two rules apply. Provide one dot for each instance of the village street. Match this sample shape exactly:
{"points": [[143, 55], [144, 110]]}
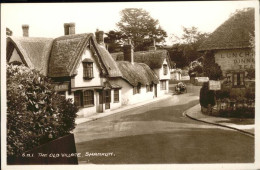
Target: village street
{"points": [[160, 133]]}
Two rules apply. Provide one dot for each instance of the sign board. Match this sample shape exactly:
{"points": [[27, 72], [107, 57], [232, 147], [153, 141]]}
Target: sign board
{"points": [[214, 85], [185, 77], [202, 79], [61, 87]]}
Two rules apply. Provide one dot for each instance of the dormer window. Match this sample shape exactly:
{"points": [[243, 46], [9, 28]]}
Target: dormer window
{"points": [[165, 69], [87, 69]]}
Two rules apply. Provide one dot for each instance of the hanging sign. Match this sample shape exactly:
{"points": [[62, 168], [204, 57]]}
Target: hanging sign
{"points": [[214, 85]]}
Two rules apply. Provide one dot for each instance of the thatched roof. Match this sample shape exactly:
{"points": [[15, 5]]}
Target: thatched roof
{"points": [[233, 33], [154, 59], [137, 73], [109, 62], [34, 51], [66, 55]]}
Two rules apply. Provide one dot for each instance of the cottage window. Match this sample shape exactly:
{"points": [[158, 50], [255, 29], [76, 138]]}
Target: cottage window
{"points": [[137, 89], [163, 84], [238, 79], [78, 98], [116, 95], [165, 69], [134, 90], [88, 70], [88, 98], [149, 88]]}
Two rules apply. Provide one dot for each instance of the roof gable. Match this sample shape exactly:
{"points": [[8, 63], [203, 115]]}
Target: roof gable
{"points": [[67, 51], [109, 62], [34, 51], [65, 54], [233, 33]]}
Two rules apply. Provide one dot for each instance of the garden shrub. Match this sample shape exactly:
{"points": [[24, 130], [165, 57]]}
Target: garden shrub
{"points": [[35, 112]]}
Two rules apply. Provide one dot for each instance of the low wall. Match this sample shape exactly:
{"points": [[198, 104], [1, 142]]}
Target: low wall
{"points": [[58, 151]]}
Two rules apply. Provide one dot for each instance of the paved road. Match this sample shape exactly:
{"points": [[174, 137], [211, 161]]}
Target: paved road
{"points": [[159, 133]]}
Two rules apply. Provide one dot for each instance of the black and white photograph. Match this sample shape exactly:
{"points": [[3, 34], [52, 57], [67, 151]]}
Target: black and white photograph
{"points": [[123, 85]]}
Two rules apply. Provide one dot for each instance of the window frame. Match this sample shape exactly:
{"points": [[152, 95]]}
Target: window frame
{"points": [[162, 84], [78, 98], [116, 96], [149, 88], [238, 76], [134, 90], [88, 98], [165, 70], [88, 72]]}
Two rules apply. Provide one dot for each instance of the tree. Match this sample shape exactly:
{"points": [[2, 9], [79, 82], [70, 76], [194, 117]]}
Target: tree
{"points": [[187, 45], [140, 27], [210, 68], [114, 40]]}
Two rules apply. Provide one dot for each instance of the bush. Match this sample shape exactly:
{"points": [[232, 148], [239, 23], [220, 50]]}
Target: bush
{"points": [[35, 112], [206, 96], [223, 93]]}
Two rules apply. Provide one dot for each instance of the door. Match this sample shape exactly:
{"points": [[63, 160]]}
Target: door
{"points": [[155, 90], [100, 105], [107, 99]]}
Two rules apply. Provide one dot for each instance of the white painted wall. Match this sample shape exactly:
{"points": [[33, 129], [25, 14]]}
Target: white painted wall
{"points": [[127, 95], [162, 92], [15, 56], [80, 81], [126, 91], [113, 104], [160, 72]]}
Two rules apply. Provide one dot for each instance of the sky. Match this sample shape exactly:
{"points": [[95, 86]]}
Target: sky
{"points": [[46, 20]]}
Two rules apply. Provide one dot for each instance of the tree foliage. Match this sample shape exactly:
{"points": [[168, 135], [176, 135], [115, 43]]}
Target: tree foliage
{"points": [[210, 68], [138, 25], [114, 40], [195, 69], [35, 112], [184, 49]]}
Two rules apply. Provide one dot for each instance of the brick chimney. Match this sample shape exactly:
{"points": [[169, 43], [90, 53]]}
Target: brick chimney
{"points": [[129, 52], [153, 47], [25, 28], [69, 28], [100, 37]]}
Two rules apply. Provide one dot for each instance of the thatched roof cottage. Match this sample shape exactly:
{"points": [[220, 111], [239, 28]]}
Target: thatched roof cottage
{"points": [[80, 67], [232, 47], [157, 60]]}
